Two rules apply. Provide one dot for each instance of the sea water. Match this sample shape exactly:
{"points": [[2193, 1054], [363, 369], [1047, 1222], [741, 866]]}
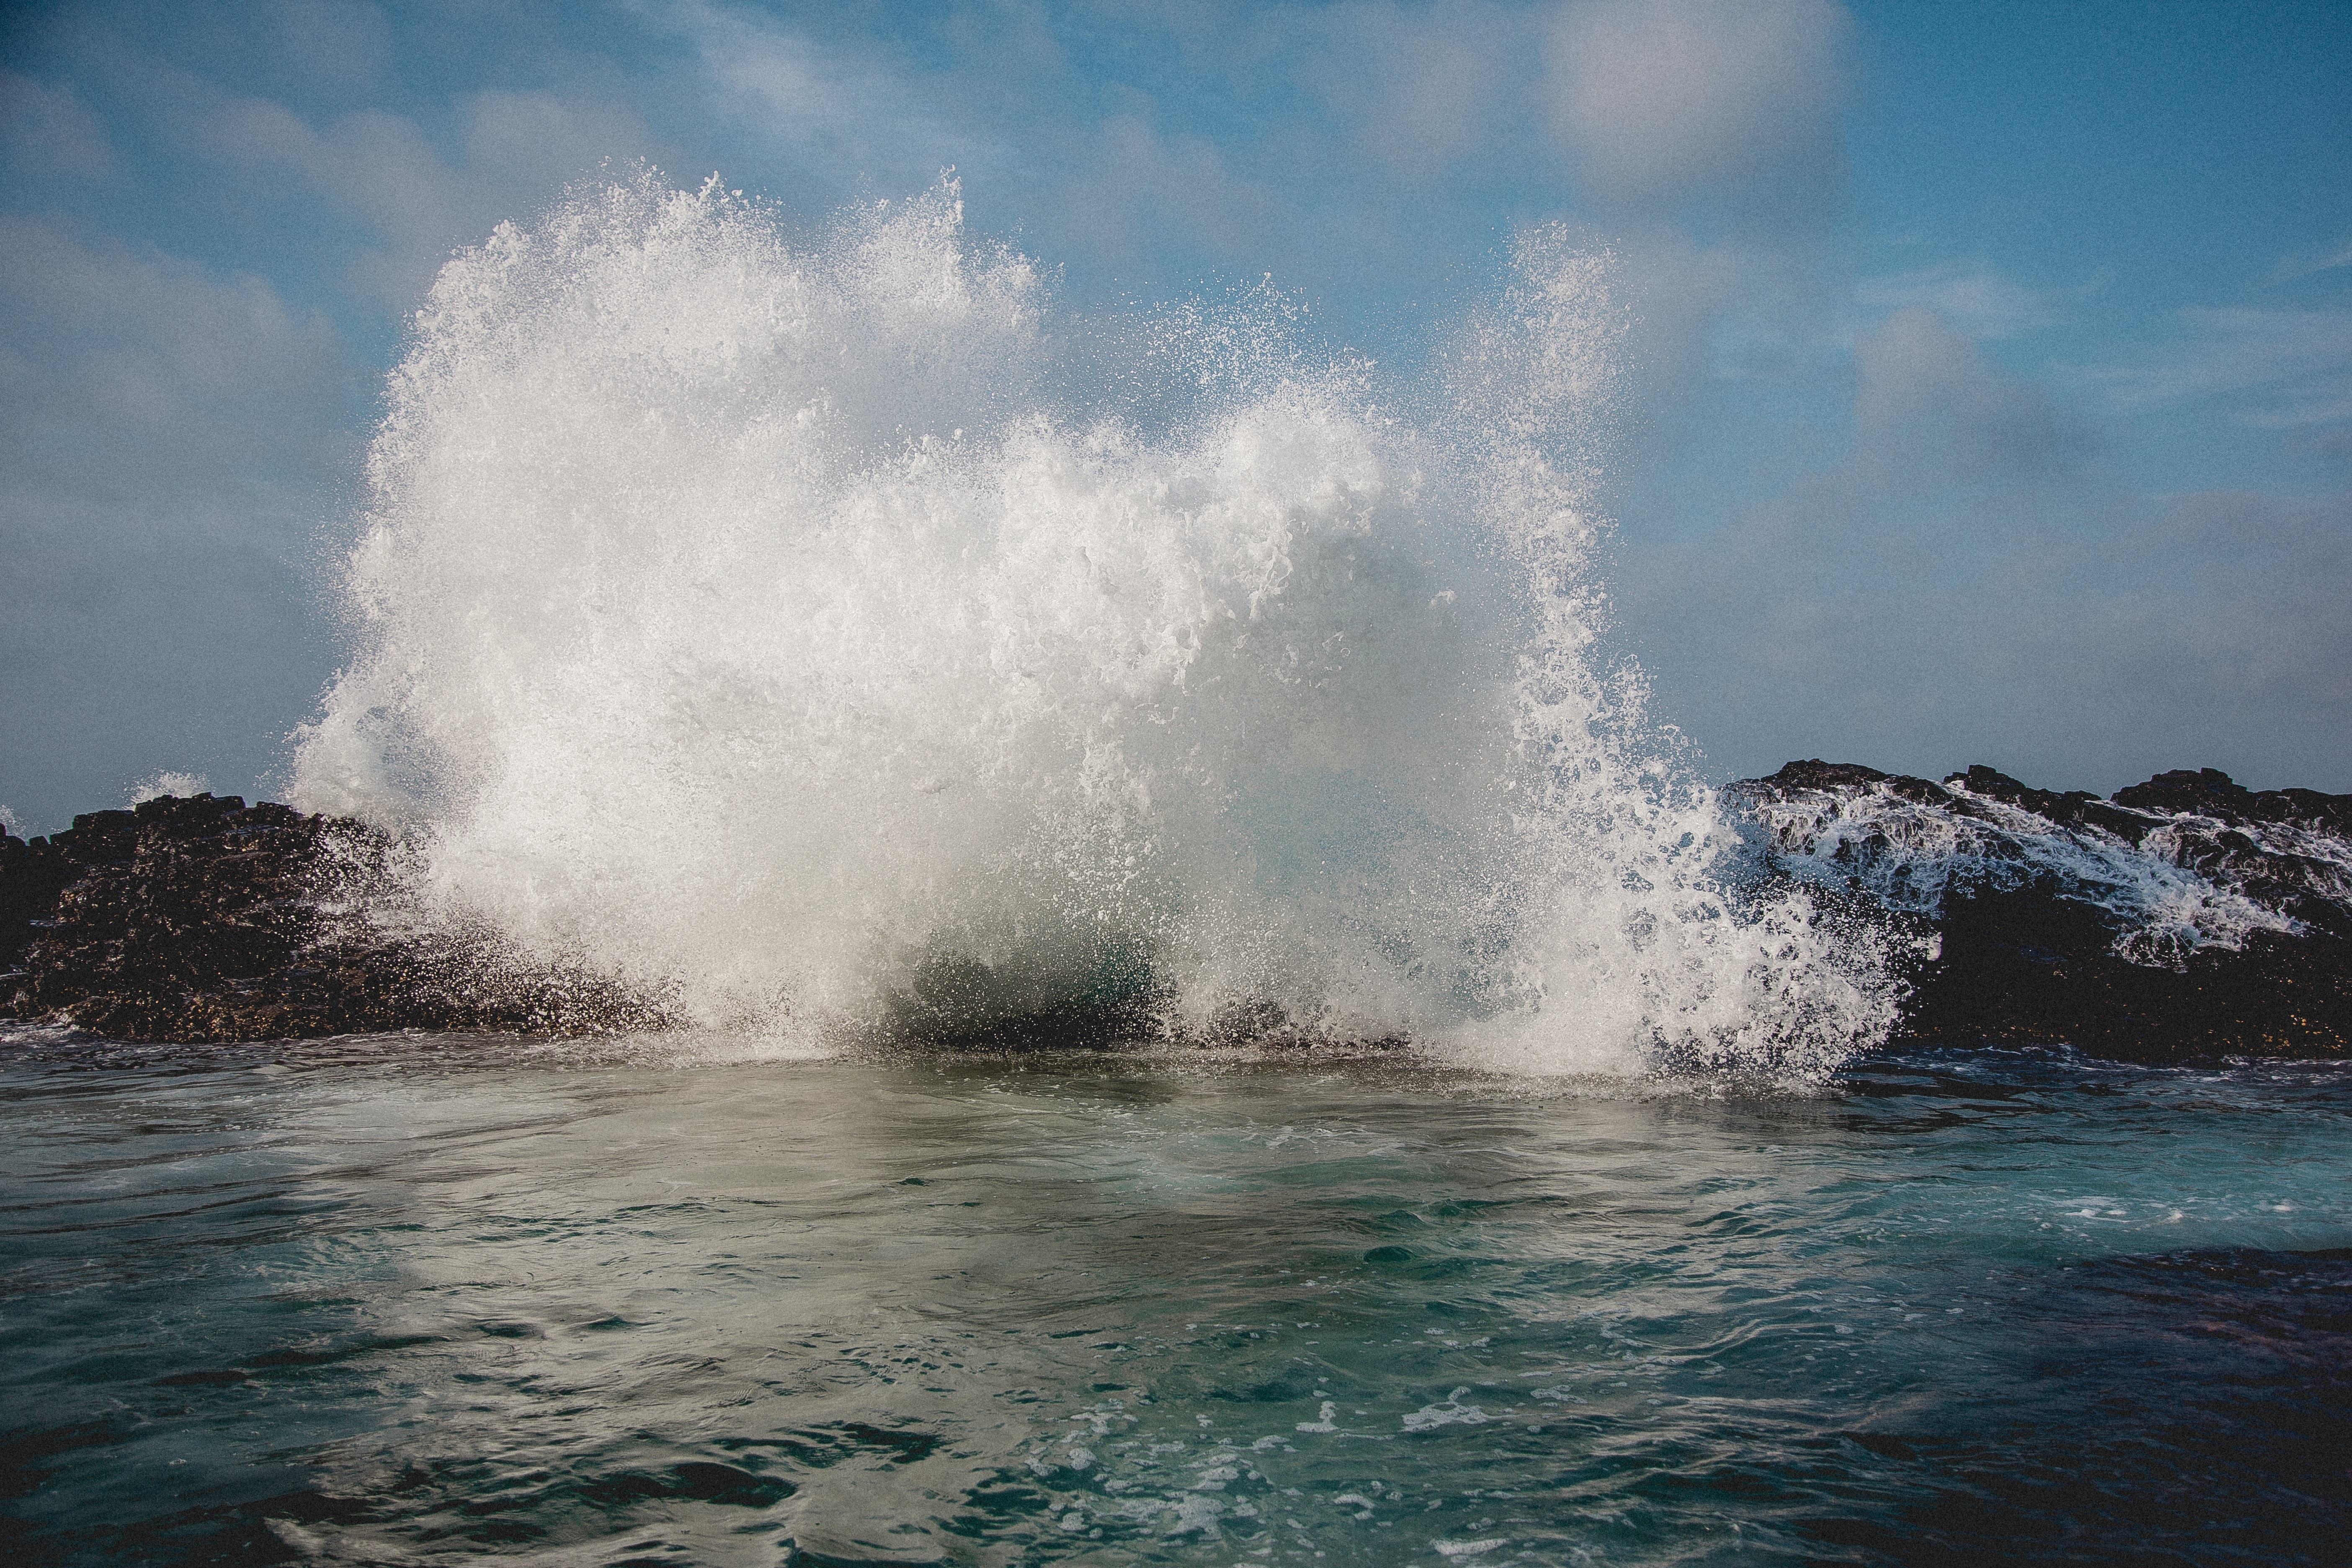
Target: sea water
{"points": [[434, 1300]]}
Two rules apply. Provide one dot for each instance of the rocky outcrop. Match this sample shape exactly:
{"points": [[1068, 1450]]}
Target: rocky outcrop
{"points": [[204, 919], [2184, 918]]}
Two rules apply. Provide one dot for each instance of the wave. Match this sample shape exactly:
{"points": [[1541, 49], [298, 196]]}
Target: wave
{"points": [[835, 632]]}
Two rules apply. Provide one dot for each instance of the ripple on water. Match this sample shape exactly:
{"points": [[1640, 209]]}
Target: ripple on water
{"points": [[425, 1300]]}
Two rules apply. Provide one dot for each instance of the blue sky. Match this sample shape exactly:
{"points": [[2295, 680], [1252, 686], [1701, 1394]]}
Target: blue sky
{"points": [[1991, 399]]}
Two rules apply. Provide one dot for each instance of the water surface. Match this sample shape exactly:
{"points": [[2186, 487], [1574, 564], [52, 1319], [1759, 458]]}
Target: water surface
{"points": [[427, 1300]]}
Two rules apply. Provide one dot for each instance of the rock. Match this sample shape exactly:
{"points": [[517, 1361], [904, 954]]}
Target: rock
{"points": [[2186, 918], [203, 918], [2209, 792]]}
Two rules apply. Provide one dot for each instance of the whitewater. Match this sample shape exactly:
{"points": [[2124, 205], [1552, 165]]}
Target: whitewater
{"points": [[826, 630]]}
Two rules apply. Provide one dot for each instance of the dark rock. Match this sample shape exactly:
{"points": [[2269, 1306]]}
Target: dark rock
{"points": [[2186, 918], [1817, 775], [203, 918], [2028, 965], [31, 877], [2209, 792]]}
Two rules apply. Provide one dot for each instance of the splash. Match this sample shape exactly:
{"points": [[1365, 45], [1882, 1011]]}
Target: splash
{"points": [[166, 782], [836, 635]]}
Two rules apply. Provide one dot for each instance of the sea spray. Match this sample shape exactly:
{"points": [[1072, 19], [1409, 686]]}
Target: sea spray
{"points": [[839, 638]]}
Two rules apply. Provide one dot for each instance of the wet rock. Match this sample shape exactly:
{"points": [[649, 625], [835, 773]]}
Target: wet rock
{"points": [[2184, 918], [1831, 778], [2211, 792], [204, 919]]}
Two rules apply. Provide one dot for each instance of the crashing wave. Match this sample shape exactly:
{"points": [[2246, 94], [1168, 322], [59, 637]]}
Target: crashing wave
{"points": [[835, 635]]}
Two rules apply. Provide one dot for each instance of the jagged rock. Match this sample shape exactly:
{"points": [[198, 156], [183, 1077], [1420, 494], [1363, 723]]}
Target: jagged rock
{"points": [[2184, 918], [204, 919], [2209, 792]]}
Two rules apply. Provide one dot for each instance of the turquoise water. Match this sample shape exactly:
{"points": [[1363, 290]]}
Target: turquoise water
{"points": [[428, 1299]]}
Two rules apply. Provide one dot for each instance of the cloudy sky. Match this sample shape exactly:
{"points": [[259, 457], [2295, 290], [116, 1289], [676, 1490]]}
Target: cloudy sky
{"points": [[1991, 390]]}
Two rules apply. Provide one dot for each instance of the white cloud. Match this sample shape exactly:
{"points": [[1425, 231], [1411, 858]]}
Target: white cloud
{"points": [[1100, 180], [158, 366], [2230, 638], [1670, 97], [513, 151], [1967, 583], [840, 113], [1139, 191]]}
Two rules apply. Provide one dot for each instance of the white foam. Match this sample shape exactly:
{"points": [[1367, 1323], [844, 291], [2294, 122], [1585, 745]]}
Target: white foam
{"points": [[1452, 1413], [835, 635], [1911, 854]]}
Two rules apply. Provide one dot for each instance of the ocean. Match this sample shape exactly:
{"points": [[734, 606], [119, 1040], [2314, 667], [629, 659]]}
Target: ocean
{"points": [[428, 1300]]}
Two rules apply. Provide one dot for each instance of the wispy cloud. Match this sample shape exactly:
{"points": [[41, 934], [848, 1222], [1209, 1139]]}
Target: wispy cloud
{"points": [[1970, 581], [169, 373], [2310, 262], [1927, 408], [1424, 89], [850, 113], [344, 43], [50, 133], [1972, 296], [2284, 369]]}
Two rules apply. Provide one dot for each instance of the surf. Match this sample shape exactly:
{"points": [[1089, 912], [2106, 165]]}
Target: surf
{"points": [[826, 628]]}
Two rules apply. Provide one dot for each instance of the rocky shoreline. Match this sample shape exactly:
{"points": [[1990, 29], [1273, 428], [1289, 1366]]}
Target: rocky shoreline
{"points": [[205, 920], [2182, 920]]}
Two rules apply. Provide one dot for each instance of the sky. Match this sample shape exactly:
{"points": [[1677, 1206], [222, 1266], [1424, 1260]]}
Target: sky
{"points": [[1989, 397]]}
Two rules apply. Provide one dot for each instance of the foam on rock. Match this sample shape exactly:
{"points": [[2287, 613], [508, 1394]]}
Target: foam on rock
{"points": [[2183, 918]]}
